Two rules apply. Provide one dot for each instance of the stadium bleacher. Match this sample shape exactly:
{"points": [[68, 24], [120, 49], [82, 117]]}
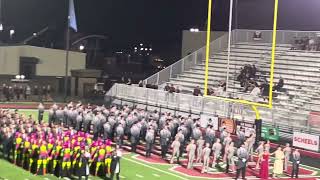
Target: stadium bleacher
{"points": [[292, 108]]}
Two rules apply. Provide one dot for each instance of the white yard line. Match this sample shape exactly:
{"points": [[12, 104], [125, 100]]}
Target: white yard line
{"points": [[122, 177], [156, 175], [154, 168], [139, 176]]}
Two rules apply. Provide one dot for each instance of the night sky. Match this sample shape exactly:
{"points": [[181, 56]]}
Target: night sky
{"points": [[125, 22], [156, 22]]}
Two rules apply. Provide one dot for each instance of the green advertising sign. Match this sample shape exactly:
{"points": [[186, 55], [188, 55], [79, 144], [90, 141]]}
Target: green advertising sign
{"points": [[270, 133]]}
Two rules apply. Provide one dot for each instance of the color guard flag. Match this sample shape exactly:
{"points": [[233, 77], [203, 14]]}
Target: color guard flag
{"points": [[72, 16]]}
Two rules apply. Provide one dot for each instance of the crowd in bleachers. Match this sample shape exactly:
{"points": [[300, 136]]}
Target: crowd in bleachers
{"points": [[250, 82], [16, 92], [306, 43]]}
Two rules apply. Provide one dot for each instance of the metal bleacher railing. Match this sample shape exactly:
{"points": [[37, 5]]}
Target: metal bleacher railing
{"points": [[220, 44], [201, 105]]}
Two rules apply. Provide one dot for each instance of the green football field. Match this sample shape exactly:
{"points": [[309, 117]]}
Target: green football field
{"points": [[131, 169], [34, 114]]}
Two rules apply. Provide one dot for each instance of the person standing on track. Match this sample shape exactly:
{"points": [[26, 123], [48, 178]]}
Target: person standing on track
{"points": [[191, 150], [216, 148], [40, 111], [164, 141], [206, 158], [200, 144], [243, 156], [295, 163], [287, 153], [175, 152]]}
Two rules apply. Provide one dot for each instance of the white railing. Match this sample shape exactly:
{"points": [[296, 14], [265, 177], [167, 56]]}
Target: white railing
{"points": [[287, 120], [187, 62], [283, 36]]}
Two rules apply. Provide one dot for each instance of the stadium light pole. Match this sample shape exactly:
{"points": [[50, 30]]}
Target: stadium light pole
{"points": [[229, 43], [67, 60]]}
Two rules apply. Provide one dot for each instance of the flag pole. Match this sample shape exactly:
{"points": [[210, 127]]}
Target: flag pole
{"points": [[67, 59]]}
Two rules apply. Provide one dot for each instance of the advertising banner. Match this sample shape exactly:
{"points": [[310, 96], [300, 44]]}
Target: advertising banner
{"points": [[248, 127], [230, 125], [306, 141], [209, 119], [270, 133]]}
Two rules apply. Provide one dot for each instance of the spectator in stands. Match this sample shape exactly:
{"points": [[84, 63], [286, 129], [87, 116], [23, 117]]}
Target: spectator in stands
{"points": [[123, 81], [265, 89], [305, 43], [129, 81], [36, 90], [177, 90], [172, 89], [197, 91], [16, 92], [295, 44], [253, 71], [210, 91], [223, 85], [27, 92], [256, 91], [279, 85], [167, 87], [311, 44]]}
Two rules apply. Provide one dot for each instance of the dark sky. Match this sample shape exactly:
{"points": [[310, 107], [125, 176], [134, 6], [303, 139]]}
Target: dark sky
{"points": [[156, 22], [126, 22]]}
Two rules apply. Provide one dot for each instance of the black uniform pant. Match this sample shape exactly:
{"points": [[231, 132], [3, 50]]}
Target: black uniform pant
{"points": [[134, 143], [181, 150], [112, 175], [148, 148], [295, 170], [227, 167], [164, 150], [242, 171], [40, 117], [85, 177]]}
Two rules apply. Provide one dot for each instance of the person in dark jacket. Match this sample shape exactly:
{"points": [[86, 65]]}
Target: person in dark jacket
{"points": [[115, 164], [83, 164]]}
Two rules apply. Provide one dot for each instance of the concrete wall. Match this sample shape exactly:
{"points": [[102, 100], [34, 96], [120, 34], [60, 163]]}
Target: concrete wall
{"points": [[192, 41], [52, 61]]}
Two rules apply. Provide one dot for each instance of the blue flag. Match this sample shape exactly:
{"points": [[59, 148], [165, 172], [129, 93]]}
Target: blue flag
{"points": [[72, 16]]}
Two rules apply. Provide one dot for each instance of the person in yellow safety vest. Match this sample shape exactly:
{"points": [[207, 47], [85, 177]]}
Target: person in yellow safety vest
{"points": [[55, 155], [66, 160], [93, 150], [43, 158], [33, 151], [17, 149], [108, 157], [25, 151], [75, 153], [100, 158]]}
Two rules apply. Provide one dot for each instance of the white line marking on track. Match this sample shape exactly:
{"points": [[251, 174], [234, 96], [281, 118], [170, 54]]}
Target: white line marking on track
{"points": [[139, 176], [165, 172]]}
